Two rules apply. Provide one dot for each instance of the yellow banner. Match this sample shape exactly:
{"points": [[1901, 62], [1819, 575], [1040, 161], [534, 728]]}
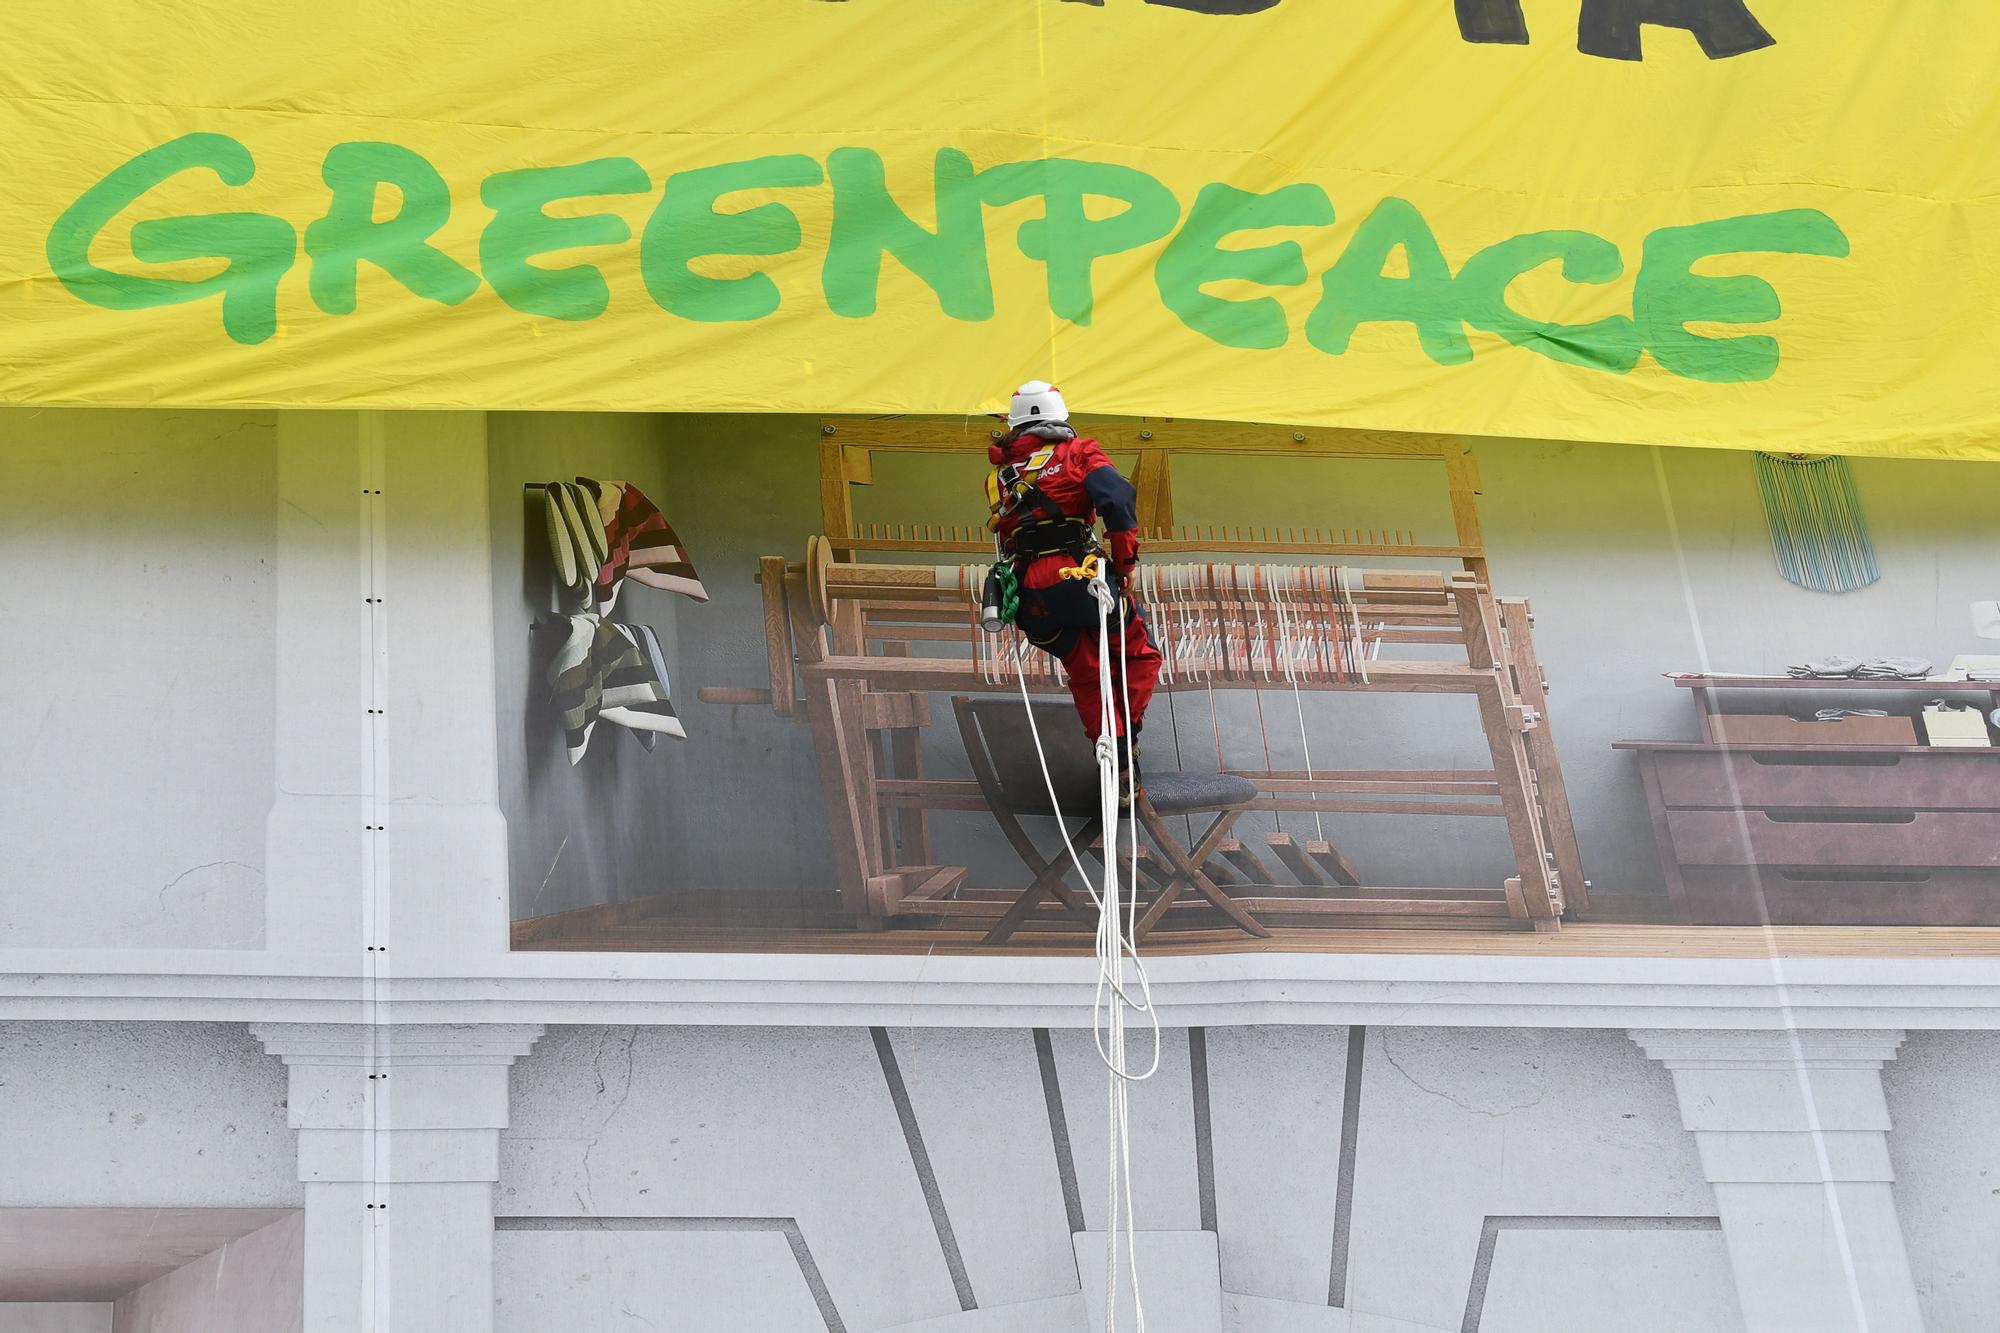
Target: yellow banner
{"points": [[1748, 223]]}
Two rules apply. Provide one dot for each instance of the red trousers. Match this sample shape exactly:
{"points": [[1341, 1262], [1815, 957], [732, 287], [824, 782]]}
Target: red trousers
{"points": [[1061, 620], [1141, 666]]}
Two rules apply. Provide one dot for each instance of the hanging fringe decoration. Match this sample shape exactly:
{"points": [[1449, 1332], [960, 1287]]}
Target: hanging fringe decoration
{"points": [[1818, 534]]}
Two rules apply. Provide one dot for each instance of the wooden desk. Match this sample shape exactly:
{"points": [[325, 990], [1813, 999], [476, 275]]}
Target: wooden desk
{"points": [[1825, 834]]}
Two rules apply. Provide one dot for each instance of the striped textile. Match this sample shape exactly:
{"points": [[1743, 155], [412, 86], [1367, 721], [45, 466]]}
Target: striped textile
{"points": [[604, 670], [639, 544], [648, 719], [577, 541]]}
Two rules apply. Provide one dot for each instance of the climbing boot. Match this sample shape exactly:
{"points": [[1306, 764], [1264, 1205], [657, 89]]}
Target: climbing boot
{"points": [[1129, 782]]}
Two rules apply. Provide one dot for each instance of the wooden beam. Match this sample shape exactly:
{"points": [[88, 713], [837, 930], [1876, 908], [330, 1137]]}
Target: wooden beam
{"points": [[1332, 805], [1246, 861], [1383, 906], [859, 465], [836, 508], [938, 673], [892, 710], [1154, 482], [777, 633], [1329, 858], [957, 434], [1303, 868], [1385, 786], [1552, 792]]}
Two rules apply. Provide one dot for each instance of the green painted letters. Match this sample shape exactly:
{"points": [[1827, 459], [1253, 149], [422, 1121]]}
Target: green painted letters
{"points": [[1667, 296], [1195, 257], [1611, 343], [1068, 240], [686, 226], [258, 248], [1355, 291], [520, 230], [867, 223], [349, 234]]}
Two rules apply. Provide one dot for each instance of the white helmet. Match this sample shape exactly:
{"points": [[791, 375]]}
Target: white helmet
{"points": [[1037, 400]]}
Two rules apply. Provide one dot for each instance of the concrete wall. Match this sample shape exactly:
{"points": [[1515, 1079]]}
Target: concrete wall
{"points": [[1946, 1150], [653, 1177], [63, 1317], [942, 1180], [142, 1115], [254, 1284], [136, 554]]}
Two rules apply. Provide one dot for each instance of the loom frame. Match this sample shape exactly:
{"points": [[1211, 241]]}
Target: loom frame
{"points": [[850, 631]]}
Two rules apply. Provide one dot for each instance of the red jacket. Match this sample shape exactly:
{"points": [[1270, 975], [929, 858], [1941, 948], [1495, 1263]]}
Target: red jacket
{"points": [[1080, 482]]}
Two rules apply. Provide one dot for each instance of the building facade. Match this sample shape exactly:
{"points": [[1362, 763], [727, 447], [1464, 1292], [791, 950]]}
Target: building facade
{"points": [[276, 1053]]}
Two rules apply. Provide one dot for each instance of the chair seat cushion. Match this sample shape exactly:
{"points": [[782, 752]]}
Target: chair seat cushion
{"points": [[1179, 793]]}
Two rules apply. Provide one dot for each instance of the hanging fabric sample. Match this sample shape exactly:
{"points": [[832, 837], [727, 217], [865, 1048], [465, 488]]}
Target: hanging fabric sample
{"points": [[601, 671], [577, 540], [1818, 533], [640, 544], [646, 711]]}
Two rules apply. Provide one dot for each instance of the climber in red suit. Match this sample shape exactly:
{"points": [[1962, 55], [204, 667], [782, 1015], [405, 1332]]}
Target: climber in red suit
{"points": [[1048, 488]]}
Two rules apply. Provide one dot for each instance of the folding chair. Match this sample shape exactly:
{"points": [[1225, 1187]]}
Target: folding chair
{"points": [[1181, 793], [1001, 749]]}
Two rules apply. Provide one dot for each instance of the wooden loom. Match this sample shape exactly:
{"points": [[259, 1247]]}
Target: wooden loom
{"points": [[872, 641]]}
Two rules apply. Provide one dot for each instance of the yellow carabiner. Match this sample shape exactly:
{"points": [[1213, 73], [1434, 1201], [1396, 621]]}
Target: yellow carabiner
{"points": [[1083, 572]]}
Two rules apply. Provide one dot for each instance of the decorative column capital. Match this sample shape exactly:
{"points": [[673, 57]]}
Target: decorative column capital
{"points": [[391, 1103], [1793, 1132], [1783, 1106], [387, 1046], [1769, 1050]]}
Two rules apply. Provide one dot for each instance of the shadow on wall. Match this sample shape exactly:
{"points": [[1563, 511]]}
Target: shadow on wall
{"points": [[736, 806]]}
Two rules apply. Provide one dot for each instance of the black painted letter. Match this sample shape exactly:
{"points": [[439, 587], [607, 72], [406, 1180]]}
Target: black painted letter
{"points": [[1610, 28], [1217, 6], [1498, 22]]}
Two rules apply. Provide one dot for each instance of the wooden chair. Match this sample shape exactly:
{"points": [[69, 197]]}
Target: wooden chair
{"points": [[1000, 745]]}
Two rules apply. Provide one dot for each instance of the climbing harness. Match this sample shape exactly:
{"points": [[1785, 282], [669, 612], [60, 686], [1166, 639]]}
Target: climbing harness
{"points": [[1013, 490]]}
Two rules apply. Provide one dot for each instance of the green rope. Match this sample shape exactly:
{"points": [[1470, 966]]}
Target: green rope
{"points": [[1010, 590]]}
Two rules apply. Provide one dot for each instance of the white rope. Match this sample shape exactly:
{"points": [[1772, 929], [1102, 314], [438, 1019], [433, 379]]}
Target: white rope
{"points": [[1116, 946], [1288, 622], [1354, 614]]}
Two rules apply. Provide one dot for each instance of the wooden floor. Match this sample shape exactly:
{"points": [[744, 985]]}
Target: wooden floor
{"points": [[647, 926]]}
